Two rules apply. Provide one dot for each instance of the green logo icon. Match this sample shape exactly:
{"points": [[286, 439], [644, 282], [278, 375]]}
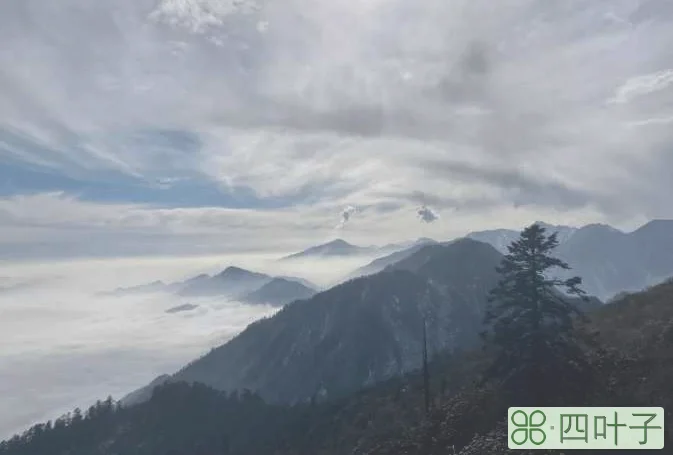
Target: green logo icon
{"points": [[585, 428], [528, 427]]}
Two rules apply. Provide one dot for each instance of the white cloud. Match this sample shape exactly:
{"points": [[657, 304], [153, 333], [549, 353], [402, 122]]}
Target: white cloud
{"points": [[651, 121], [62, 338], [643, 85], [76, 347], [346, 215], [484, 107]]}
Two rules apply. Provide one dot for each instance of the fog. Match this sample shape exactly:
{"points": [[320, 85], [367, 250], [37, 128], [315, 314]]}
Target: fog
{"points": [[64, 345]]}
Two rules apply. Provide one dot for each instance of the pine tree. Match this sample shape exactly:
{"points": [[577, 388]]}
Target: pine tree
{"points": [[530, 321]]}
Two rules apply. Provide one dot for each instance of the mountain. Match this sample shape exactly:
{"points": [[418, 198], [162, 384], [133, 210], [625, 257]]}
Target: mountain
{"points": [[498, 238], [655, 242], [279, 291], [502, 238], [303, 281], [385, 419], [563, 233], [608, 260], [381, 263], [231, 282], [155, 286], [360, 332], [611, 261], [338, 247]]}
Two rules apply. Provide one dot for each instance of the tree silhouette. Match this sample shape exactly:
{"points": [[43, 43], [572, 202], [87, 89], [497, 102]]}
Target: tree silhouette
{"points": [[530, 320]]}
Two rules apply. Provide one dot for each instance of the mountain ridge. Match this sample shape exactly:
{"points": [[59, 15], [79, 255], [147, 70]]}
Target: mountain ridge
{"points": [[359, 332]]}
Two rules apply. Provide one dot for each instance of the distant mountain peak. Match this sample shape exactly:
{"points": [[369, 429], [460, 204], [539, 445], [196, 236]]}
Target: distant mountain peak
{"points": [[279, 291], [232, 269], [338, 242], [336, 247], [238, 272]]}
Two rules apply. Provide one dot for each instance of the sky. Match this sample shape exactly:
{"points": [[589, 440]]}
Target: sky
{"points": [[186, 127]]}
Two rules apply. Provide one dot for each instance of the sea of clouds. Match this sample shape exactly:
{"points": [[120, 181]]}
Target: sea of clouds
{"points": [[63, 344]]}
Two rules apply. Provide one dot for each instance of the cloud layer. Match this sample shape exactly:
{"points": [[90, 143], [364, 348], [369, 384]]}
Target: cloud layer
{"points": [[64, 345], [193, 113]]}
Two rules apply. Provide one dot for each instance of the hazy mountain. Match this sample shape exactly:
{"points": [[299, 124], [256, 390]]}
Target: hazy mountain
{"points": [[611, 261], [608, 260], [381, 263], [231, 282], [279, 291], [338, 247], [303, 281], [563, 233], [360, 332], [655, 243], [155, 286], [502, 238], [498, 238]]}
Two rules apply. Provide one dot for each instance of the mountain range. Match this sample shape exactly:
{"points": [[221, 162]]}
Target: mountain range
{"points": [[358, 333], [608, 260], [388, 418], [369, 328], [233, 283], [327, 346]]}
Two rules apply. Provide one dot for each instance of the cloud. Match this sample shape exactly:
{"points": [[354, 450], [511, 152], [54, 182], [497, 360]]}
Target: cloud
{"points": [[643, 85], [346, 215], [427, 214], [76, 347], [651, 121], [269, 109]]}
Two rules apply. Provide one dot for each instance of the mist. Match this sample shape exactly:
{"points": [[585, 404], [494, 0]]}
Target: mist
{"points": [[65, 344]]}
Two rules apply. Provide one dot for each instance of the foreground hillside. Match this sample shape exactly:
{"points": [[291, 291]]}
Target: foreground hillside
{"points": [[632, 358]]}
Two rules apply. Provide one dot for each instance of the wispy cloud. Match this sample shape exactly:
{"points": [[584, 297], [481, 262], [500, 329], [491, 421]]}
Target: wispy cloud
{"points": [[266, 106], [643, 85], [346, 215]]}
